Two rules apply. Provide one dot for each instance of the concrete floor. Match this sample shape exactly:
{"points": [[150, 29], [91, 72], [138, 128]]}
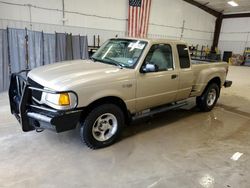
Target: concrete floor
{"points": [[182, 148]]}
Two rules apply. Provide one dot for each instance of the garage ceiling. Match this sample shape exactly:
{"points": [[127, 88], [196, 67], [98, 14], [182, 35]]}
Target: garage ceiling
{"points": [[223, 6]]}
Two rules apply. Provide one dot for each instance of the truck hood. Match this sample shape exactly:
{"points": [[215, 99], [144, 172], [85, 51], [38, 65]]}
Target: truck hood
{"points": [[72, 74]]}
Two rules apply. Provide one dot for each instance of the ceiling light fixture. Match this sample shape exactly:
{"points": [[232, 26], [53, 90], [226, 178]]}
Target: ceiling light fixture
{"points": [[233, 3]]}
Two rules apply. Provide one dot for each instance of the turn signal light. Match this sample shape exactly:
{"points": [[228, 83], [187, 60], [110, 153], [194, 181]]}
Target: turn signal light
{"points": [[64, 99]]}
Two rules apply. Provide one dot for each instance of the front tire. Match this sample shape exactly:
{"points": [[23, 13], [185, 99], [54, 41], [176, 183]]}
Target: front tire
{"points": [[102, 126], [208, 99]]}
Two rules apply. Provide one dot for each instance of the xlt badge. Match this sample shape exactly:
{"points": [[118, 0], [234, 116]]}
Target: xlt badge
{"points": [[127, 85]]}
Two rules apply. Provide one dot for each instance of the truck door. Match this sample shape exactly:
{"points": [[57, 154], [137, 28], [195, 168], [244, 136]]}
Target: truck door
{"points": [[160, 86], [186, 73]]}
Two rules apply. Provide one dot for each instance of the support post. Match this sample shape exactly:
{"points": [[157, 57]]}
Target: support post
{"points": [[98, 41], [182, 29], [27, 49], [217, 31], [80, 46], [43, 41], [8, 43], [63, 12], [30, 15], [56, 54]]}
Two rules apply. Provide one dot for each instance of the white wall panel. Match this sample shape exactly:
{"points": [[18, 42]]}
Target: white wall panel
{"points": [[55, 4], [199, 24], [99, 23], [22, 12], [166, 12], [109, 8], [235, 35], [103, 8], [108, 18], [236, 25], [52, 17], [14, 12], [197, 18]]}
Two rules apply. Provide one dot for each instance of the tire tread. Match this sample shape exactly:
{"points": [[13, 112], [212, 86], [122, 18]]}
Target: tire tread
{"points": [[86, 125]]}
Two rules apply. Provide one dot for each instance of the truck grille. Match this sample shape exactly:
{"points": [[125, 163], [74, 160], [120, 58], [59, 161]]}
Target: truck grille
{"points": [[36, 94]]}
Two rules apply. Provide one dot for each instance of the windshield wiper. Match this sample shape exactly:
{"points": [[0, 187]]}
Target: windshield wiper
{"points": [[93, 59], [113, 62]]}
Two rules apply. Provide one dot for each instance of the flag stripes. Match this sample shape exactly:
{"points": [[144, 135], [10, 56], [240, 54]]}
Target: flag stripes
{"points": [[138, 17]]}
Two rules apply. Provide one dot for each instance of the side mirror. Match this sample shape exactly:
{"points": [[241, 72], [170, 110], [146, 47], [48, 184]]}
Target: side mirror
{"points": [[149, 68]]}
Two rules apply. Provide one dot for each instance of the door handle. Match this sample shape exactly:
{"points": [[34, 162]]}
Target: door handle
{"points": [[174, 76]]}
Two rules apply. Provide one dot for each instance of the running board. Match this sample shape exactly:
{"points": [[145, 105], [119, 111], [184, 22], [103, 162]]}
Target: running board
{"points": [[149, 112]]}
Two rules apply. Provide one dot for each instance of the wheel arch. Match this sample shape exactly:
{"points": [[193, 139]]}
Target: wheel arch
{"points": [[201, 101], [109, 100], [216, 80]]}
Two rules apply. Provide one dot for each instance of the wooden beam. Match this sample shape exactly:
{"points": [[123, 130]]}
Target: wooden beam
{"points": [[203, 7], [217, 30], [240, 15]]}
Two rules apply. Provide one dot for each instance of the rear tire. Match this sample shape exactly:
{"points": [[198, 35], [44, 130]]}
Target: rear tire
{"points": [[102, 126], [208, 99]]}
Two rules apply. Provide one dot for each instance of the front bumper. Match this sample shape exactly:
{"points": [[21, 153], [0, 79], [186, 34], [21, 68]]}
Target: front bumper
{"points": [[33, 116]]}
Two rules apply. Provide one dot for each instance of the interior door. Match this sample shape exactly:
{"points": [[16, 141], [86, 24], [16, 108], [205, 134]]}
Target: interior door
{"points": [[158, 87]]}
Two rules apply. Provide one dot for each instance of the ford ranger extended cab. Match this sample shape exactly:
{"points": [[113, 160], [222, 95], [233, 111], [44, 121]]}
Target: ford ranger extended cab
{"points": [[127, 78]]}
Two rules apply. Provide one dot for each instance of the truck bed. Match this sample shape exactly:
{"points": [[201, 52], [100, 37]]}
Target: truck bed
{"points": [[201, 61], [202, 71]]}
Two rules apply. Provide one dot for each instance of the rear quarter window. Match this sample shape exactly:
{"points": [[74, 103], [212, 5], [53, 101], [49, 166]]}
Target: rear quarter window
{"points": [[183, 56]]}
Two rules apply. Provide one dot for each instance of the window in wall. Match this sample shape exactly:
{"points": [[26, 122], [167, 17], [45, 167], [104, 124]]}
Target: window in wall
{"points": [[161, 56], [183, 56]]}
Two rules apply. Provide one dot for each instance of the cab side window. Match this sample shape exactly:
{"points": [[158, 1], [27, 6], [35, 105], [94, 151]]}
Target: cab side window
{"points": [[183, 56], [161, 56]]}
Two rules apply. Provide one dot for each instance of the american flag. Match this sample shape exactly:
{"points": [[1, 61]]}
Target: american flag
{"points": [[138, 17]]}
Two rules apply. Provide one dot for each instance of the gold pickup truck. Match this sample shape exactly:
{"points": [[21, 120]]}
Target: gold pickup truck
{"points": [[127, 78]]}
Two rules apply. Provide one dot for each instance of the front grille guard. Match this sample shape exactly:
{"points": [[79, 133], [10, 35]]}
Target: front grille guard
{"points": [[20, 98], [18, 83]]}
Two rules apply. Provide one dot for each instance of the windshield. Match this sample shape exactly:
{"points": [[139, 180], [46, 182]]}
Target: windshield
{"points": [[120, 52]]}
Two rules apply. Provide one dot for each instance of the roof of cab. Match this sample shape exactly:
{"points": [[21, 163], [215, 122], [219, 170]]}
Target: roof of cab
{"points": [[154, 40]]}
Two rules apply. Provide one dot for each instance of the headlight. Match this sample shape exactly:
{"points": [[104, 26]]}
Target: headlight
{"points": [[60, 101]]}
